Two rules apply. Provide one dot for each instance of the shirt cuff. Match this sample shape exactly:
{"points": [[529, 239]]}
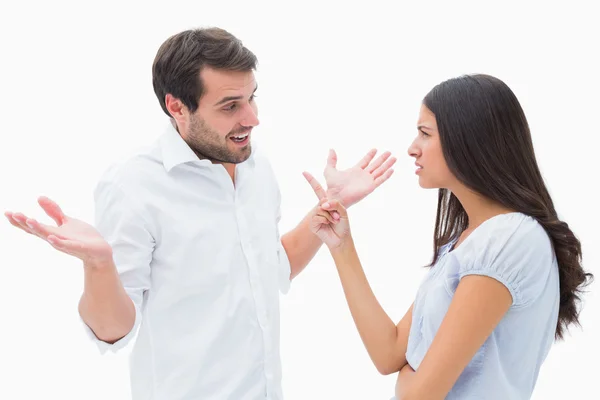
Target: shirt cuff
{"points": [[103, 346]]}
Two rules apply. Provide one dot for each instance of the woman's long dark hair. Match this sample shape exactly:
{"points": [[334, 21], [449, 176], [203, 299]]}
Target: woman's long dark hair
{"points": [[487, 145]]}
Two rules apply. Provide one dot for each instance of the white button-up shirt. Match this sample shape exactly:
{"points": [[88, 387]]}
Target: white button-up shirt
{"points": [[203, 263]]}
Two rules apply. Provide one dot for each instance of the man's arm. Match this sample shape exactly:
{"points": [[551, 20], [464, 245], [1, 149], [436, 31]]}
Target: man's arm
{"points": [[349, 186], [300, 245], [114, 289], [105, 306]]}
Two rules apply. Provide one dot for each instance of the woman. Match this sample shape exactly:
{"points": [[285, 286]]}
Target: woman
{"points": [[505, 277]]}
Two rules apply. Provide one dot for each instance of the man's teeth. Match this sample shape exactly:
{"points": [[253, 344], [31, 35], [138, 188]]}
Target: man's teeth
{"points": [[241, 137]]}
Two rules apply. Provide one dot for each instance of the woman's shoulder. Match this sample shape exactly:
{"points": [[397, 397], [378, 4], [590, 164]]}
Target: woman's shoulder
{"points": [[510, 232], [515, 249]]}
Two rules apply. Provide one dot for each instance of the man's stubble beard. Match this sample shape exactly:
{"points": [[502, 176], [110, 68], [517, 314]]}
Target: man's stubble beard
{"points": [[209, 145]]}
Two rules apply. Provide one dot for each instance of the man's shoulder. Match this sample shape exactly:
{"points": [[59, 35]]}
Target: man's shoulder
{"points": [[134, 169]]}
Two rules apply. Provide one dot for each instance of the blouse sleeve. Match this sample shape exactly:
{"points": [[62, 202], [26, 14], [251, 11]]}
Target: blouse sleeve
{"points": [[513, 249]]}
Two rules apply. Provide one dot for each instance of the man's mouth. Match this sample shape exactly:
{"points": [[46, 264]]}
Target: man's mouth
{"points": [[240, 138]]}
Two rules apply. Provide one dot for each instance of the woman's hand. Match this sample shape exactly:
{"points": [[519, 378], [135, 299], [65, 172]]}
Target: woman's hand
{"points": [[330, 223]]}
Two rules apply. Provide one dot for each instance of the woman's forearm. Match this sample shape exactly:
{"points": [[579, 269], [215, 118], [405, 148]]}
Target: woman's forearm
{"points": [[385, 342], [403, 381]]}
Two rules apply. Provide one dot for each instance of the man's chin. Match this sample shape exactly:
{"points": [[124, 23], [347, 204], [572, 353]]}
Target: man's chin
{"points": [[240, 155]]}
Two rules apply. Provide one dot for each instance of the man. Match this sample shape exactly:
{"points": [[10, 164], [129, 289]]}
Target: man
{"points": [[186, 248]]}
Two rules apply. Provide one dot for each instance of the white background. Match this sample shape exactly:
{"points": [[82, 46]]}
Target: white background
{"points": [[77, 95]]}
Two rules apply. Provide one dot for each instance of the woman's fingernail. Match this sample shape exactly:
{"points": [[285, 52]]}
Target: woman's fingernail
{"points": [[325, 205]]}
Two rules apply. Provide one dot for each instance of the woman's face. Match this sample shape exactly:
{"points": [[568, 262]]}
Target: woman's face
{"points": [[431, 165]]}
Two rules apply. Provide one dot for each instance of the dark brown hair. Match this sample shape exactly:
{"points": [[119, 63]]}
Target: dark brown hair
{"points": [[487, 145], [180, 59]]}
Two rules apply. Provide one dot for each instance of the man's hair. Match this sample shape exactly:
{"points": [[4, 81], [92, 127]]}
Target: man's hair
{"points": [[181, 58]]}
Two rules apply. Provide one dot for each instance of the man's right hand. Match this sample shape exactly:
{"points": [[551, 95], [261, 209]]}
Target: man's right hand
{"points": [[70, 236]]}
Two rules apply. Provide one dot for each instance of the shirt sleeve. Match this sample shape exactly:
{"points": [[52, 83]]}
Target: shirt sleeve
{"points": [[515, 250], [121, 224], [285, 269]]}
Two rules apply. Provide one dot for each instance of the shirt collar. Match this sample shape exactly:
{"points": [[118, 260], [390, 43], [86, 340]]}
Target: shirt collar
{"points": [[175, 151]]}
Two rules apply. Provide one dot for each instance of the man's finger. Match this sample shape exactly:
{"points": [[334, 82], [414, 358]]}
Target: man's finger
{"points": [[384, 177], [42, 230], [319, 191], [384, 167], [362, 164], [332, 159], [71, 247], [19, 219], [377, 163], [52, 209], [14, 222]]}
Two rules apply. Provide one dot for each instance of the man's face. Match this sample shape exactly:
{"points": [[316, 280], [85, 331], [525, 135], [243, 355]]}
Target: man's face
{"points": [[220, 129]]}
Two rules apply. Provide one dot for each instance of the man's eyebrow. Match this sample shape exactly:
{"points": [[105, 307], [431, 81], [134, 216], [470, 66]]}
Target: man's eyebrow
{"points": [[231, 98]]}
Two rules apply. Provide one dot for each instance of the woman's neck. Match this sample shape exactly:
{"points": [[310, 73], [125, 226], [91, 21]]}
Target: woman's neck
{"points": [[478, 207]]}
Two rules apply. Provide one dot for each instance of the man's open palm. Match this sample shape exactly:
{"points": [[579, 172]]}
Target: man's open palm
{"points": [[71, 236], [354, 184]]}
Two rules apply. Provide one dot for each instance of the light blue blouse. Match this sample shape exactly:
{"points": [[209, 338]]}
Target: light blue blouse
{"points": [[515, 250]]}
